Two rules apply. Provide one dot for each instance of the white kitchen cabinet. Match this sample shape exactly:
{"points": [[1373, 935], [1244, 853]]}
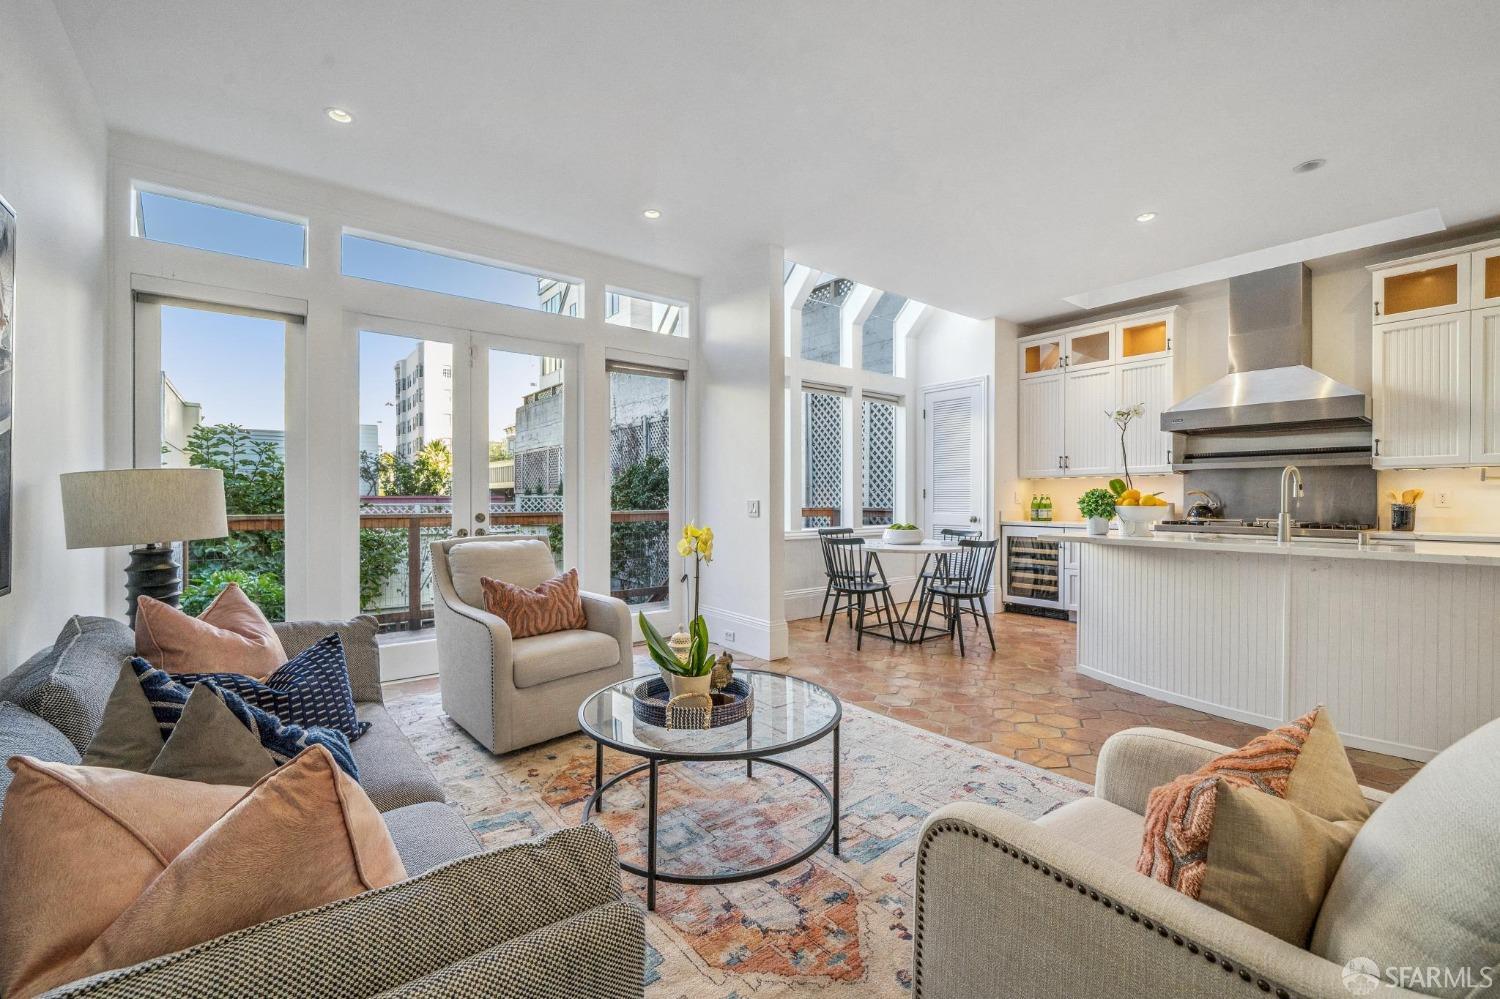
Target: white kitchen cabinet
{"points": [[1071, 587], [1422, 391], [1089, 436], [1071, 380], [1040, 400], [1484, 276], [1430, 285], [1148, 382], [1485, 386]]}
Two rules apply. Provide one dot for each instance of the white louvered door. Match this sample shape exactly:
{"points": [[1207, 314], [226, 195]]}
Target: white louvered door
{"points": [[956, 470], [1422, 392]]}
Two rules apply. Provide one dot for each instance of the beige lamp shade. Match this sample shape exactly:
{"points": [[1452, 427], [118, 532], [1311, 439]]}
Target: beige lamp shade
{"points": [[137, 506]]}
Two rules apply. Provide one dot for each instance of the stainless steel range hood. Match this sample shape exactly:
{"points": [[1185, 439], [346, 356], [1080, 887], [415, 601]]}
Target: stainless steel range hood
{"points": [[1271, 408], [1270, 386]]}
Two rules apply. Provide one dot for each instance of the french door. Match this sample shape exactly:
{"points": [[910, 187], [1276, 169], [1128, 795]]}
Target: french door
{"points": [[460, 433]]}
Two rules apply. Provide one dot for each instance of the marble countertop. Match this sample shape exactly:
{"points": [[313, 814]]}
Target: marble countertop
{"points": [[1443, 552], [1040, 523]]}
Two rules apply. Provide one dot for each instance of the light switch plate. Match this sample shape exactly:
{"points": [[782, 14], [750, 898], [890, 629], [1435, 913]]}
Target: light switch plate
{"points": [[752, 508]]}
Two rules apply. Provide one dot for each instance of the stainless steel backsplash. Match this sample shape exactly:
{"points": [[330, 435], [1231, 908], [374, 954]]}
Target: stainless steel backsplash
{"points": [[1331, 494]]}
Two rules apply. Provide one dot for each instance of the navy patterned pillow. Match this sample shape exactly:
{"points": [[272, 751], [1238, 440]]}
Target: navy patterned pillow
{"points": [[312, 689], [282, 740]]}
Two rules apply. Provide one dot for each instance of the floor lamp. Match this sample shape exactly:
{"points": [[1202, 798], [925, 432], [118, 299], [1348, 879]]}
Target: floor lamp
{"points": [[148, 509]]}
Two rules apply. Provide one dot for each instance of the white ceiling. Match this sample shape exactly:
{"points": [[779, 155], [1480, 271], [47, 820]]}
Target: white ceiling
{"points": [[987, 157]]}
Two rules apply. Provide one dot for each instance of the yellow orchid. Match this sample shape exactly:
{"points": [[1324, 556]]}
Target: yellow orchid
{"points": [[696, 543], [684, 548]]}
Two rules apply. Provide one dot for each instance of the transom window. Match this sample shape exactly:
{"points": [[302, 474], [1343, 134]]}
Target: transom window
{"points": [[428, 270], [641, 312], [202, 225]]}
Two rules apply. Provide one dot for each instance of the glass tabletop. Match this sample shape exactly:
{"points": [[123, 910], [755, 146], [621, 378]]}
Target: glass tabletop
{"points": [[788, 713]]}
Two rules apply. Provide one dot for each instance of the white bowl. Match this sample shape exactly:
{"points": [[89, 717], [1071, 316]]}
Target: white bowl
{"points": [[1137, 521], [895, 537]]}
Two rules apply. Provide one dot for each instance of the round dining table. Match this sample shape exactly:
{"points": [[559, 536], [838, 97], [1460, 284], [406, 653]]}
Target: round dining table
{"points": [[913, 632]]}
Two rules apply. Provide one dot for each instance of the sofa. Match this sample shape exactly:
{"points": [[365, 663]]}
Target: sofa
{"points": [[1055, 908], [544, 918], [508, 692]]}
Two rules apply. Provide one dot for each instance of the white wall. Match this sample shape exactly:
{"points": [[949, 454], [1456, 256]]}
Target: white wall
{"points": [[52, 171], [740, 417]]}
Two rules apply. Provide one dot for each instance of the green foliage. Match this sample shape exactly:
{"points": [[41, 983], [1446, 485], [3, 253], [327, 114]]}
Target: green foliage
{"points": [[430, 473], [645, 485], [1097, 503], [382, 551], [1118, 487], [700, 660], [903, 527], [265, 589], [254, 471], [498, 451]]}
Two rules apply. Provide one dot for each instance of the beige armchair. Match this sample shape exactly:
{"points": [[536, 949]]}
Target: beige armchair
{"points": [[514, 692], [1055, 908]]}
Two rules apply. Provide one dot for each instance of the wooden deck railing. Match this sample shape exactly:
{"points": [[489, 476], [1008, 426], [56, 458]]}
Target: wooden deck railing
{"points": [[414, 616]]}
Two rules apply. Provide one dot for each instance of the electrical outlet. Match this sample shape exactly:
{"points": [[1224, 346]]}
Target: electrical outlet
{"points": [[728, 636], [1442, 499], [752, 508]]}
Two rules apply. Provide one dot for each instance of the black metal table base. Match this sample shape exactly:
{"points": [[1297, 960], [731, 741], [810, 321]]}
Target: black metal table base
{"points": [[653, 873]]}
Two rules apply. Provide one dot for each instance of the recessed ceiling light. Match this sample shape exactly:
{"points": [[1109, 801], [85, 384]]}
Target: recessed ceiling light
{"points": [[1145, 216], [1308, 166], [652, 213], [339, 115]]}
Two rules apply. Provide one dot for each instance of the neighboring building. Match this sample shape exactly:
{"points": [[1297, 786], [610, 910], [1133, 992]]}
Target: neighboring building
{"points": [[822, 317], [558, 297], [537, 449], [178, 418], [424, 398]]}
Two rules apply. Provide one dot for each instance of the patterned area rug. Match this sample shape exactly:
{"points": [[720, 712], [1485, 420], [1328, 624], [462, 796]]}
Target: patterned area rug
{"points": [[830, 926]]}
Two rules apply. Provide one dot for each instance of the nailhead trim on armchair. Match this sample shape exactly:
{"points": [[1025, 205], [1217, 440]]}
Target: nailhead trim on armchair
{"points": [[1189, 946]]}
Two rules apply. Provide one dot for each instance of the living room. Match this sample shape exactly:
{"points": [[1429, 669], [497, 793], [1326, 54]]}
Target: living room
{"points": [[654, 508]]}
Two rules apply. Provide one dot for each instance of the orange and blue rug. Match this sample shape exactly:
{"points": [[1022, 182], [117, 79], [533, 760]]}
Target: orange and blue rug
{"points": [[830, 926]]}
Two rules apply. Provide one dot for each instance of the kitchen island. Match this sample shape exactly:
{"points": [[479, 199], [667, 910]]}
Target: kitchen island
{"points": [[1398, 639]]}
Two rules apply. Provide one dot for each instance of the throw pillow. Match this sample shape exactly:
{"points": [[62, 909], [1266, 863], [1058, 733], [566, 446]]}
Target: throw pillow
{"points": [[231, 633], [312, 689], [283, 740], [209, 744], [128, 737], [67, 684], [77, 845], [1259, 832], [553, 606], [226, 876]]}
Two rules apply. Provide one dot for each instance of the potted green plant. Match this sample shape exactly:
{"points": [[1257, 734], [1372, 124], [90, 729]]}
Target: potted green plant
{"points": [[902, 534], [688, 674], [1097, 506]]}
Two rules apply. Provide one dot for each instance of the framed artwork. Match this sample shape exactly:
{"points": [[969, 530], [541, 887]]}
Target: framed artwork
{"points": [[7, 381]]}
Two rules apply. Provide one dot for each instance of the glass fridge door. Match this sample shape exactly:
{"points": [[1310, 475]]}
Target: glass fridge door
{"points": [[1033, 570]]}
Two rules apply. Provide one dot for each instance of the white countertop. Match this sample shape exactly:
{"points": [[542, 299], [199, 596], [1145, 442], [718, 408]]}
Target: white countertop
{"points": [[1434, 536], [1448, 552], [1046, 523]]}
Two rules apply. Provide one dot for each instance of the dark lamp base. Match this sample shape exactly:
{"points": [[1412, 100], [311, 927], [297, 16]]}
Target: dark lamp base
{"points": [[154, 572]]}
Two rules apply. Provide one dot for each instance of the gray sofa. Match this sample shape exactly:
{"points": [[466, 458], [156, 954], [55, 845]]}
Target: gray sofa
{"points": [[1055, 908], [544, 918]]}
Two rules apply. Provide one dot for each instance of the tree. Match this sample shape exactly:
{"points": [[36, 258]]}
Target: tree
{"points": [[430, 473], [638, 551], [254, 483], [498, 451]]}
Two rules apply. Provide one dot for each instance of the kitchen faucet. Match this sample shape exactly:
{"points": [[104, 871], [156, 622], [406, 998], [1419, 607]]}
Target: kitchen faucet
{"points": [[1291, 478]]}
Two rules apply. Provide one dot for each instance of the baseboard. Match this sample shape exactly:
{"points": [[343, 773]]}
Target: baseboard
{"points": [[806, 603], [752, 636]]}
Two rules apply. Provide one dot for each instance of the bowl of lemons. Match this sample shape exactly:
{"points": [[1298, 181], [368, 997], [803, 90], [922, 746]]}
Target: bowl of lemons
{"points": [[1138, 512]]}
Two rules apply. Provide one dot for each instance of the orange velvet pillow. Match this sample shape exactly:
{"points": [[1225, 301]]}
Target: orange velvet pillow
{"points": [[553, 606], [230, 636], [159, 864]]}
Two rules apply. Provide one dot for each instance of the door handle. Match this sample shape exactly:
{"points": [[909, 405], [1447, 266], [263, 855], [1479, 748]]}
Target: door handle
{"points": [[480, 518], [462, 532], [973, 520]]}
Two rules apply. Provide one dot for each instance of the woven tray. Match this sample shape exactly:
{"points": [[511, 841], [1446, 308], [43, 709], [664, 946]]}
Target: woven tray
{"points": [[653, 706]]}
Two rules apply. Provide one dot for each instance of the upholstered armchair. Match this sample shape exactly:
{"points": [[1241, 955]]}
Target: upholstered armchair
{"points": [[1055, 908], [513, 692]]}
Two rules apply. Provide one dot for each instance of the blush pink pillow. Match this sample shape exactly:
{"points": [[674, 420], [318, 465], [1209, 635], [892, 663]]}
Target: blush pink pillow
{"points": [[200, 862], [553, 606], [230, 636]]}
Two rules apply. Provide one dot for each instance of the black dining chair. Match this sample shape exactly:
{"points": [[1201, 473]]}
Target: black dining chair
{"points": [[824, 533], [854, 582], [969, 572], [939, 571]]}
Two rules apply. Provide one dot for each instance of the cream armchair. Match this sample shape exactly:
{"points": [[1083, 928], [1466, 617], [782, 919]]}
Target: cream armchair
{"points": [[513, 692], [1055, 908]]}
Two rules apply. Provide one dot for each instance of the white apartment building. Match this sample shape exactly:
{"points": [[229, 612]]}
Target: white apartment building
{"points": [[424, 398]]}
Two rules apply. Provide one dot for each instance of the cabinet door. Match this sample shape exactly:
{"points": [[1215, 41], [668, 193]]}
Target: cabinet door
{"points": [[1143, 336], [1091, 443], [1040, 449], [1147, 448], [1422, 392], [1485, 385], [1041, 356], [1431, 287], [1484, 277], [1090, 347]]}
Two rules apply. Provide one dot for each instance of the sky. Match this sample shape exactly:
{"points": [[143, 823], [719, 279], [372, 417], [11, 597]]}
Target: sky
{"points": [[235, 365]]}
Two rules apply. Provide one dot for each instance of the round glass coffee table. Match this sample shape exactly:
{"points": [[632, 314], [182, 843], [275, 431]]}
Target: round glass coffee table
{"points": [[788, 713]]}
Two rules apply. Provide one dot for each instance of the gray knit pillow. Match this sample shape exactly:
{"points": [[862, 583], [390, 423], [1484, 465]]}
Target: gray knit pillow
{"points": [[68, 685]]}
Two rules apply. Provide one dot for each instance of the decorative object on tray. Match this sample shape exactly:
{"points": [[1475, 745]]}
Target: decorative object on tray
{"points": [[686, 669], [1404, 510], [902, 534], [723, 670], [1097, 506], [655, 704]]}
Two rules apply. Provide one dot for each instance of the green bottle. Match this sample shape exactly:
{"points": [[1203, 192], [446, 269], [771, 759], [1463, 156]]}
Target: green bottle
{"points": [[1036, 507]]}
